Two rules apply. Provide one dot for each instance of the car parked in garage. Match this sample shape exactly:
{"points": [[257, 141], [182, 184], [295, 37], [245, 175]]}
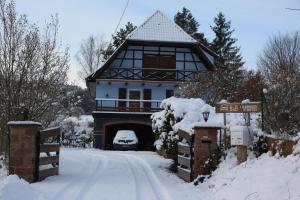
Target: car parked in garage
{"points": [[125, 140]]}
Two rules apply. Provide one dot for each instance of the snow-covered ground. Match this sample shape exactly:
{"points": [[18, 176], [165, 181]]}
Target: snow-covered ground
{"points": [[96, 174], [264, 178], [101, 175]]}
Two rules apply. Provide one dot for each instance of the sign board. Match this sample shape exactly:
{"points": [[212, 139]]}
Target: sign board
{"points": [[250, 107], [240, 135]]}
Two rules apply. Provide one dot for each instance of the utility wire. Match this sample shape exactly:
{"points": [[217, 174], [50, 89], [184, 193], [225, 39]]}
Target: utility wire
{"points": [[297, 9], [119, 22]]}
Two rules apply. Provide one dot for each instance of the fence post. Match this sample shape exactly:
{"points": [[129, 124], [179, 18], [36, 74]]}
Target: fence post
{"points": [[23, 149], [241, 153]]}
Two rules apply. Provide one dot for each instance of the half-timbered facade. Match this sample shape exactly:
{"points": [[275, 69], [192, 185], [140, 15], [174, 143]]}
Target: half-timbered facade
{"points": [[147, 68]]}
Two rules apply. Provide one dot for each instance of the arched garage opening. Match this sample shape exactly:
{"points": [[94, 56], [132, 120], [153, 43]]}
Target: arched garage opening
{"points": [[143, 132]]}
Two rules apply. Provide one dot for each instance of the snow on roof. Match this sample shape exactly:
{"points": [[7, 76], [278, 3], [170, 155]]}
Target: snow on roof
{"points": [[159, 27]]}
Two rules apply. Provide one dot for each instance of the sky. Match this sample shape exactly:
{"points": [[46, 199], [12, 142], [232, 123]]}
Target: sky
{"points": [[254, 21]]}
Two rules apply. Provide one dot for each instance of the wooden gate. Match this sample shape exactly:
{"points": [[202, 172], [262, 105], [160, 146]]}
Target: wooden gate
{"points": [[48, 143], [185, 156]]}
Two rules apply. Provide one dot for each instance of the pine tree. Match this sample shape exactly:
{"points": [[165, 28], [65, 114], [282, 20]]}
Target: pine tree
{"points": [[188, 23], [121, 35], [118, 39], [223, 43], [229, 62]]}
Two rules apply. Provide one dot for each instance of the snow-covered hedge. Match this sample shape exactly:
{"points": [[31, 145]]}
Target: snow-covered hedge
{"points": [[184, 113], [76, 131]]}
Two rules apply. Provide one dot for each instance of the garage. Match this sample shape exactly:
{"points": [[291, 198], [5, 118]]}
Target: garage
{"points": [[143, 132]]}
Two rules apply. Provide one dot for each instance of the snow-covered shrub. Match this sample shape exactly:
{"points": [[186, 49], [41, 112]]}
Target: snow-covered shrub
{"points": [[76, 131], [297, 147], [177, 113], [259, 144], [3, 170], [184, 113]]}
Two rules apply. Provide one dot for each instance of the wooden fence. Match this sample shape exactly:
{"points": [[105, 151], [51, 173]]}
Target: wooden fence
{"points": [[185, 156], [48, 143]]}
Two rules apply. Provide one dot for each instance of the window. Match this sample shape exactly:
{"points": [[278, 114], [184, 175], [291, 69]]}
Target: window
{"points": [[169, 93], [159, 61]]}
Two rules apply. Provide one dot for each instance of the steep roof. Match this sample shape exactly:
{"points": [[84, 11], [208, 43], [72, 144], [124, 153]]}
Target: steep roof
{"points": [[159, 27]]}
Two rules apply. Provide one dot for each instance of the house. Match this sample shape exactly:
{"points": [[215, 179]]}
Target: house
{"points": [[148, 67]]}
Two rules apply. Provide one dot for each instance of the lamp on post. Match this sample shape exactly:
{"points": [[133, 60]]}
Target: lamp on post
{"points": [[205, 115]]}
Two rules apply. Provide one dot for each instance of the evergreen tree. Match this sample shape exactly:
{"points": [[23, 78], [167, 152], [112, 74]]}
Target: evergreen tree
{"points": [[223, 43], [121, 35], [227, 82], [188, 23], [229, 62], [118, 39]]}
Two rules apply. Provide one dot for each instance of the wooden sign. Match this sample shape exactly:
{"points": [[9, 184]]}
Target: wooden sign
{"points": [[250, 107]]}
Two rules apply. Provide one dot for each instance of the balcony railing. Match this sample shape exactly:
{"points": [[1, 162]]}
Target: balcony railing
{"points": [[127, 105], [149, 74]]}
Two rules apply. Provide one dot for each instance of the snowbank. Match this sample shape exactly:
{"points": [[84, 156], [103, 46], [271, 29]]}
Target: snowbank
{"points": [[266, 177], [14, 188]]}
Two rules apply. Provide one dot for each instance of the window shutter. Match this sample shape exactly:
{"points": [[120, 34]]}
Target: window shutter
{"points": [[122, 95], [147, 96]]}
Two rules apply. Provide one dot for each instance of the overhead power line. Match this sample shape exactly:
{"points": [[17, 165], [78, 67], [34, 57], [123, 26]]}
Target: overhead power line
{"points": [[295, 9], [119, 22]]}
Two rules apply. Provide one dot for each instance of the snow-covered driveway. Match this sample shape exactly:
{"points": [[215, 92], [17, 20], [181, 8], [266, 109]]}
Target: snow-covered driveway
{"points": [[95, 174]]}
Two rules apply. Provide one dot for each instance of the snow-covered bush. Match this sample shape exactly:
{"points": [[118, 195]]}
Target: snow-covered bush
{"points": [[3, 170], [184, 113], [76, 131], [177, 113], [259, 144]]}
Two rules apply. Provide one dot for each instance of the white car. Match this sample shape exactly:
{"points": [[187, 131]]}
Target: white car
{"points": [[125, 140]]}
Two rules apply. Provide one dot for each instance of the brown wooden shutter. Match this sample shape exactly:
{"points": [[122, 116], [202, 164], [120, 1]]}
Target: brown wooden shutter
{"points": [[147, 96], [122, 95], [167, 62], [149, 61]]}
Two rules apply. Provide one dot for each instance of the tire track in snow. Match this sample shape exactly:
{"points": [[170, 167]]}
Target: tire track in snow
{"points": [[99, 170], [157, 188], [73, 185], [136, 186]]}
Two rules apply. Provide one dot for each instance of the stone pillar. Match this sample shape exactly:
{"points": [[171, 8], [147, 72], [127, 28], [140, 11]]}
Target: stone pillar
{"points": [[205, 147], [241, 153], [23, 149]]}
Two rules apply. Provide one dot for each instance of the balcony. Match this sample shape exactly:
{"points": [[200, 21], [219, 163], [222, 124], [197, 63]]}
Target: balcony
{"points": [[153, 74], [126, 105]]}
